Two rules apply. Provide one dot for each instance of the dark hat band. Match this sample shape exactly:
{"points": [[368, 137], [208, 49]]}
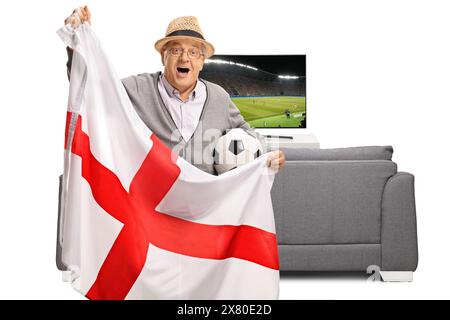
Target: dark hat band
{"points": [[189, 33]]}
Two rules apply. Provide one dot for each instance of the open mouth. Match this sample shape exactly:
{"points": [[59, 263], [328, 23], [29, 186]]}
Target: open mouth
{"points": [[183, 70]]}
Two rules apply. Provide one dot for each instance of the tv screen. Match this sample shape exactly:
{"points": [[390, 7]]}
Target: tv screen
{"points": [[269, 90]]}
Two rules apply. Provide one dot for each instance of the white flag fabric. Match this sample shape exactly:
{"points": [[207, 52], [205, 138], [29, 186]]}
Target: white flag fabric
{"points": [[139, 222]]}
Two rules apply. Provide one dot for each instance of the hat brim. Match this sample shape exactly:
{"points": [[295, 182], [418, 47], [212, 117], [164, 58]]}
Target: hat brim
{"points": [[162, 42]]}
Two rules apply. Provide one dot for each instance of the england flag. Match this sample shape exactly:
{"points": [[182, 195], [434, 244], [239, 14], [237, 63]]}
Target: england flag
{"points": [[139, 222]]}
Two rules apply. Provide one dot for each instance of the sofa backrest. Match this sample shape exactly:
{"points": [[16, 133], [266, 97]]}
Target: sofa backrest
{"points": [[352, 153], [331, 196]]}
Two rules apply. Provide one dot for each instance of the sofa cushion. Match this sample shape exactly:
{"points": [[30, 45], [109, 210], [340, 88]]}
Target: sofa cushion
{"points": [[330, 202], [352, 153]]}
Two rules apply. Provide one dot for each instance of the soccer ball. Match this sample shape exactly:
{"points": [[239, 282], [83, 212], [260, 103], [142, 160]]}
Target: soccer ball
{"points": [[235, 149]]}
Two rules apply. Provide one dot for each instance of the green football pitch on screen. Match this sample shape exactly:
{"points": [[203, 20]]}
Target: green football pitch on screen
{"points": [[271, 112]]}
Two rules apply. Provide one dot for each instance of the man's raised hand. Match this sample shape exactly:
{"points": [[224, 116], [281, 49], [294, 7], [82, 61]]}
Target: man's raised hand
{"points": [[79, 15]]}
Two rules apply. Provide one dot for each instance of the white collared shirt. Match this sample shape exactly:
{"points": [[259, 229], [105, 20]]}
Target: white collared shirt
{"points": [[186, 115]]}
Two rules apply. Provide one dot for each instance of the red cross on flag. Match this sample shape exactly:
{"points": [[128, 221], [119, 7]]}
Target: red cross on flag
{"points": [[139, 222]]}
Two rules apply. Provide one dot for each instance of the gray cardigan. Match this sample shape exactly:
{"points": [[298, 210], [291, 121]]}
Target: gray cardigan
{"points": [[219, 114]]}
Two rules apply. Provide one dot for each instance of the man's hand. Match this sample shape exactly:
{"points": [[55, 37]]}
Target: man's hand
{"points": [[79, 16], [276, 160]]}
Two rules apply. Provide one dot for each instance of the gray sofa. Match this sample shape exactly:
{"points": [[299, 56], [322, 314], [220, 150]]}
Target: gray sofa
{"points": [[344, 210]]}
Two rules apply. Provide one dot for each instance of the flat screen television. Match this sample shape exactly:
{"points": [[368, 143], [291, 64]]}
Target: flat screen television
{"points": [[269, 90]]}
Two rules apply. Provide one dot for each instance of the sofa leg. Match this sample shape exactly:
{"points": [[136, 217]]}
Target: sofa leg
{"points": [[397, 276], [388, 276]]}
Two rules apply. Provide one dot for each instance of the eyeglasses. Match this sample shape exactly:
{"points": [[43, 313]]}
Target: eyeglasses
{"points": [[192, 52]]}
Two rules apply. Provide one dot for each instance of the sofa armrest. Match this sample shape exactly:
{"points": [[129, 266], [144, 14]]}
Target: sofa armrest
{"points": [[398, 224]]}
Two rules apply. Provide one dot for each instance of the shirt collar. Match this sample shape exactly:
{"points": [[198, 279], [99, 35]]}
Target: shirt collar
{"points": [[173, 92]]}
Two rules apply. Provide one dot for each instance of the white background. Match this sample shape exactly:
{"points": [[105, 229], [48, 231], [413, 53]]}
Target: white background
{"points": [[377, 74]]}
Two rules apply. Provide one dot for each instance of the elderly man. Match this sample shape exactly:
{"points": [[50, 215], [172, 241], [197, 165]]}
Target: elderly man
{"points": [[185, 112]]}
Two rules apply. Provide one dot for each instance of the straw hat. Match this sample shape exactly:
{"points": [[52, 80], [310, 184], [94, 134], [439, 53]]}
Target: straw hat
{"points": [[185, 28]]}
